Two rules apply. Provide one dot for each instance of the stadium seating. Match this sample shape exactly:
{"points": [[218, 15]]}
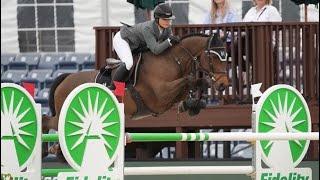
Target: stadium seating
{"points": [[74, 61], [57, 73], [38, 77], [42, 69], [89, 63], [46, 111], [27, 61], [50, 61], [13, 76], [42, 97], [6, 59]]}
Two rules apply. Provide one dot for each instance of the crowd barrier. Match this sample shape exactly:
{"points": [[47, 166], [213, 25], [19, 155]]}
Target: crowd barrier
{"points": [[91, 136]]}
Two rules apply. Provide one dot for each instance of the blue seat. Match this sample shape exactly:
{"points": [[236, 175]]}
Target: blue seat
{"points": [[38, 76], [14, 76], [42, 97], [25, 61], [50, 61], [68, 65], [63, 71], [74, 61], [45, 111], [89, 64], [57, 73], [6, 59]]}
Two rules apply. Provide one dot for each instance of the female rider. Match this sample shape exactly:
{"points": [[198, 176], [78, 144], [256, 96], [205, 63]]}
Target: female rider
{"points": [[155, 35]]}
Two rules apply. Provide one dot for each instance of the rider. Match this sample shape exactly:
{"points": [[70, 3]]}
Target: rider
{"points": [[155, 35]]}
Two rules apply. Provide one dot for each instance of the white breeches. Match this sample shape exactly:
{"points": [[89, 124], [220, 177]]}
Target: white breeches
{"points": [[123, 50]]}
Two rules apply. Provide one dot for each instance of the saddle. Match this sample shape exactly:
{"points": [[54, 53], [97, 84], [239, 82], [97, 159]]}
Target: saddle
{"points": [[106, 73], [105, 77]]}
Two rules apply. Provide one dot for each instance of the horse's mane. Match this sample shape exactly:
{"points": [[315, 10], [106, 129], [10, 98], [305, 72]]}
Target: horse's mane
{"points": [[196, 34]]}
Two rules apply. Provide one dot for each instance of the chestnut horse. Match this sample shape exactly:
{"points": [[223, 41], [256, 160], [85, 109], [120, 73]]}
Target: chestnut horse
{"points": [[163, 80]]}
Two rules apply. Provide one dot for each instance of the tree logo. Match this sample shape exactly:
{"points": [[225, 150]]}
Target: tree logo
{"points": [[283, 109], [90, 127], [19, 127]]}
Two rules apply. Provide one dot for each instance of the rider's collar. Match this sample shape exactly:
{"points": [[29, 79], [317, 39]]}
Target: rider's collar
{"points": [[160, 29]]}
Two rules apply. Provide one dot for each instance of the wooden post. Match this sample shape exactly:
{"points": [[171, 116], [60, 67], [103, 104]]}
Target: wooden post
{"points": [[306, 12], [181, 147]]}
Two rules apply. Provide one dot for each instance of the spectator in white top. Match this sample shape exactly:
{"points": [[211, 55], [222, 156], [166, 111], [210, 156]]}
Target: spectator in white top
{"points": [[220, 12], [263, 11]]}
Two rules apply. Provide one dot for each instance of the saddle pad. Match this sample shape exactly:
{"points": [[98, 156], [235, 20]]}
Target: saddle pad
{"points": [[104, 75]]}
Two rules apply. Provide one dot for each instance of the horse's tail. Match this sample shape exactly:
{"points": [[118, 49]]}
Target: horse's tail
{"points": [[53, 88]]}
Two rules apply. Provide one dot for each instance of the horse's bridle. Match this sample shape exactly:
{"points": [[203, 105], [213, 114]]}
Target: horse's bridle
{"points": [[197, 65]]}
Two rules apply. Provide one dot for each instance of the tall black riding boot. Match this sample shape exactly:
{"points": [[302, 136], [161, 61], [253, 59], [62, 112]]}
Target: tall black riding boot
{"points": [[120, 75]]}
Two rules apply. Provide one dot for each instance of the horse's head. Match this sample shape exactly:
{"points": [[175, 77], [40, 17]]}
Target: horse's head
{"points": [[213, 61], [209, 53]]}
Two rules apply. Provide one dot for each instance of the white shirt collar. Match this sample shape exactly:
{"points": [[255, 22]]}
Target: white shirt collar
{"points": [[160, 29], [264, 7]]}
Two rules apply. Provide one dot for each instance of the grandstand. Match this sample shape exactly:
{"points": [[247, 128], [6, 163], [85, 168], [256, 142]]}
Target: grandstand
{"points": [[41, 69]]}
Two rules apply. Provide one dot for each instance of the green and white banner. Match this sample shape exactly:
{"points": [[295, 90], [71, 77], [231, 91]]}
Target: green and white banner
{"points": [[91, 132], [282, 109], [20, 134]]}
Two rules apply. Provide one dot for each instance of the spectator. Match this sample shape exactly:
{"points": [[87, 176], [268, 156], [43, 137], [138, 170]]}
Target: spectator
{"points": [[220, 12], [262, 11]]}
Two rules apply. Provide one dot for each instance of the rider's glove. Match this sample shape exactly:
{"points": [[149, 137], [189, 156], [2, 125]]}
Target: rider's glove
{"points": [[174, 40]]}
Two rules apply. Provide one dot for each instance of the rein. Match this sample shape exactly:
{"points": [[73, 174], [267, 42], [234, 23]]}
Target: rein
{"points": [[196, 65]]}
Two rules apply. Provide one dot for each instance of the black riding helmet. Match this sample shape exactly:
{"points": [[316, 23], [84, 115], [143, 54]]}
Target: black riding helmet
{"points": [[163, 11]]}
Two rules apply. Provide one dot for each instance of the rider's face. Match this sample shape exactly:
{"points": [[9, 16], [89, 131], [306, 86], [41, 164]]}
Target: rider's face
{"points": [[164, 23]]}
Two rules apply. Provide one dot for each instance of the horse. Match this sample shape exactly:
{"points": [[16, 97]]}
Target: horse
{"points": [[163, 80]]}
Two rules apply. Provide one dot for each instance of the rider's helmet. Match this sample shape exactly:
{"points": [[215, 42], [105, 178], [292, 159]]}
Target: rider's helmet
{"points": [[163, 11]]}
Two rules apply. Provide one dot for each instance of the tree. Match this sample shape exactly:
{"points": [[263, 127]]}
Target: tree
{"points": [[144, 7], [145, 4]]}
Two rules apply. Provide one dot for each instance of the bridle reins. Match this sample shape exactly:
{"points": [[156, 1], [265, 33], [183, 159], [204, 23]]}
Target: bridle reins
{"points": [[196, 65]]}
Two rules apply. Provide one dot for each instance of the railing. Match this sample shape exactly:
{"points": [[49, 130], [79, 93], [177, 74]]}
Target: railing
{"points": [[271, 53]]}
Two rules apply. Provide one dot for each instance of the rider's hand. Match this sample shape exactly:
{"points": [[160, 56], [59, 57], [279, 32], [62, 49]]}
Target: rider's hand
{"points": [[174, 40]]}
